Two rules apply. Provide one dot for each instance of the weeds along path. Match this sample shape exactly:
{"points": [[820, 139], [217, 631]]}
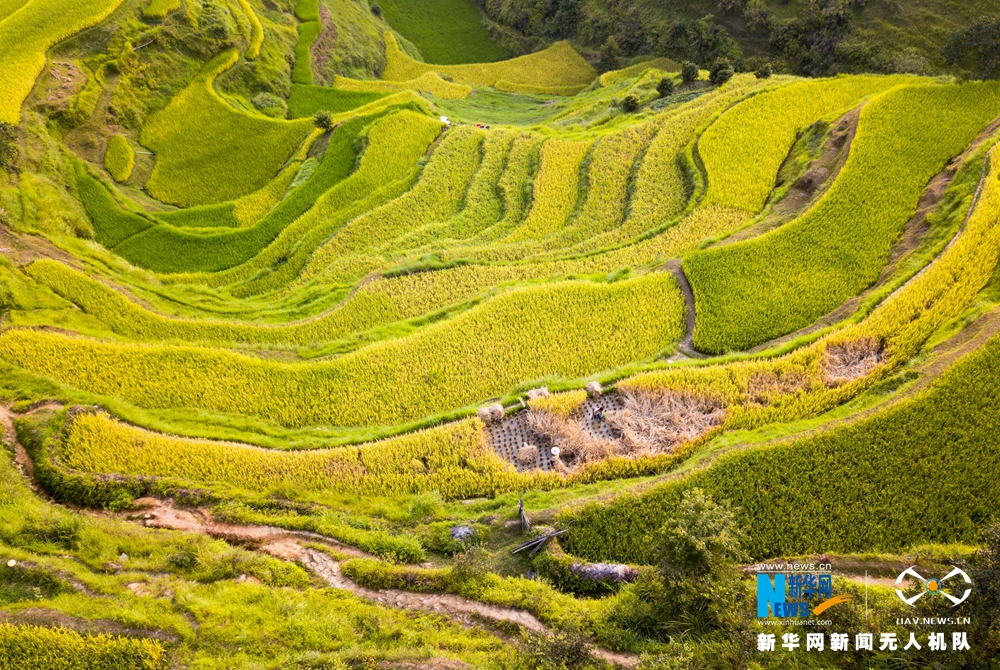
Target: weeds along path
{"points": [[9, 438], [913, 235], [287, 545]]}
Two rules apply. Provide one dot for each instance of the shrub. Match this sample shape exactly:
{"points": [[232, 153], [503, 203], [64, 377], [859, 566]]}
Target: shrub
{"points": [[763, 72], [376, 9], [608, 59], [721, 72], [323, 120], [9, 152], [630, 104], [665, 87], [270, 104], [689, 72]]}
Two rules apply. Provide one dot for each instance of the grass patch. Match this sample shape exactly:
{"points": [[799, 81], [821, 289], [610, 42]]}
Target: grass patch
{"points": [[119, 158], [198, 138], [447, 32]]}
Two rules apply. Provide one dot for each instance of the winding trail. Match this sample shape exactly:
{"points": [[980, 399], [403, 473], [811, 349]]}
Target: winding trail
{"points": [[686, 345], [288, 545]]}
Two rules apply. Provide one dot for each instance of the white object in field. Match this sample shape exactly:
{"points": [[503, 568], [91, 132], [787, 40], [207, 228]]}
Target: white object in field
{"points": [[555, 451], [445, 121], [11, 563]]}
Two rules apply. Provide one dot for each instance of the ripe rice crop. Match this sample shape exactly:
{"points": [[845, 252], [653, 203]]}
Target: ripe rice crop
{"points": [[559, 65], [28, 33], [788, 278], [167, 249], [479, 354], [386, 170], [663, 180], [609, 171], [158, 9], [119, 158], [198, 137], [514, 185], [744, 149], [445, 31], [429, 82], [793, 386], [453, 459], [349, 255], [8, 7], [37, 647], [483, 205], [663, 65], [256, 38], [305, 101], [556, 189], [946, 435]]}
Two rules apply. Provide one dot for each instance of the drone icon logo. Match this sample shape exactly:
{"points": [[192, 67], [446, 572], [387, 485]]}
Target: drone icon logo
{"points": [[933, 586]]}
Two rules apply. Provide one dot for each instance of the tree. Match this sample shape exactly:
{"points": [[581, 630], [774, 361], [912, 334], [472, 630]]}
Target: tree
{"points": [[323, 120], [701, 539], [8, 147], [979, 44], [696, 587], [757, 15], [984, 571], [721, 72], [689, 72], [665, 87], [630, 105], [609, 59], [764, 71]]}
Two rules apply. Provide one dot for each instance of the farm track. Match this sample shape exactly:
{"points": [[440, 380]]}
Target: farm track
{"points": [[287, 545], [686, 345]]}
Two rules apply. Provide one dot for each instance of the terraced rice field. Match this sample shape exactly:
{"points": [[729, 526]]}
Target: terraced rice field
{"points": [[352, 287]]}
